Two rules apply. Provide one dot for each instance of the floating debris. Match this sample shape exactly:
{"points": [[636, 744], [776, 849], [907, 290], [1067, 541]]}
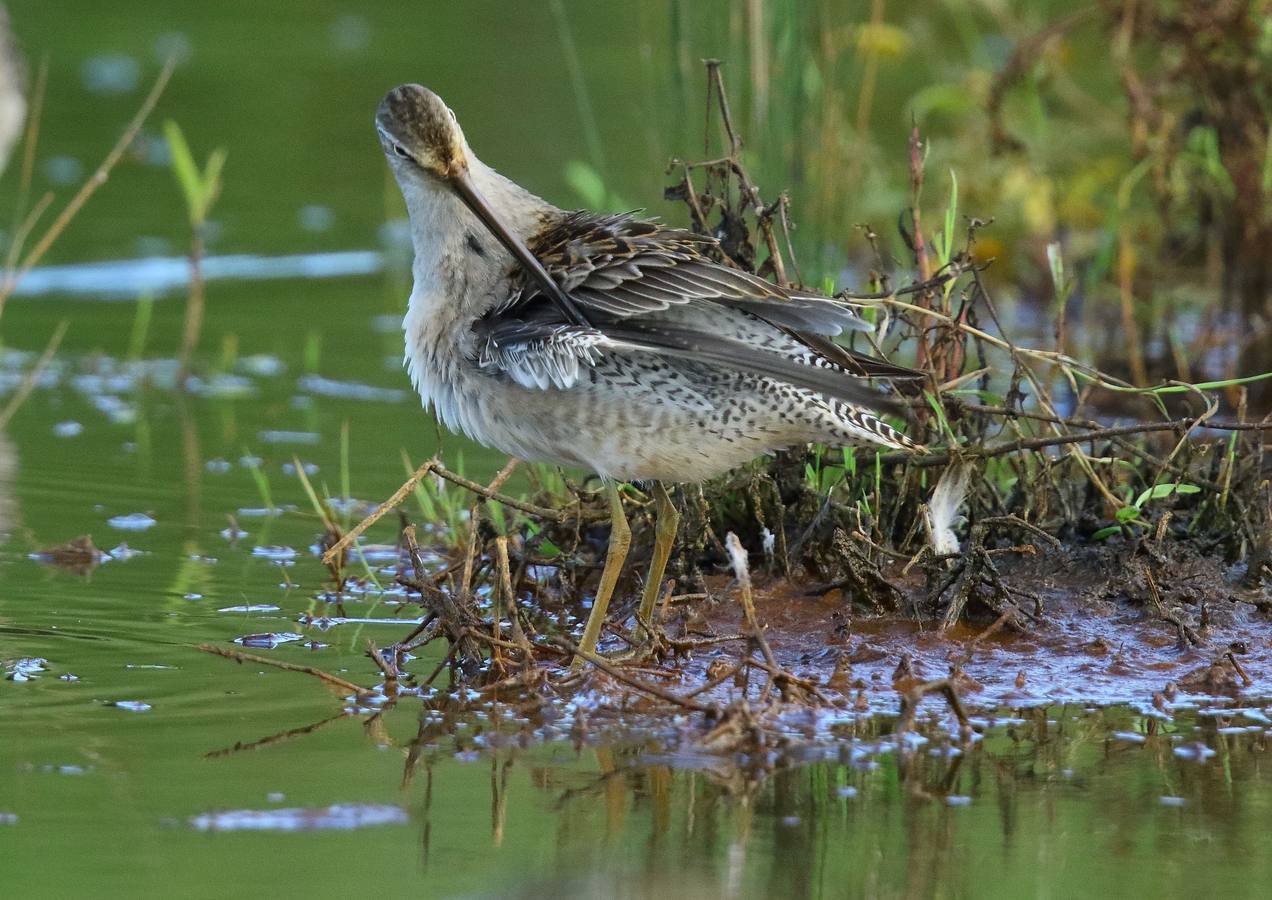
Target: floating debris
{"points": [[78, 555], [339, 817], [68, 429], [260, 512], [249, 608], [130, 705], [274, 553], [123, 553], [26, 669], [1130, 737], [268, 640]]}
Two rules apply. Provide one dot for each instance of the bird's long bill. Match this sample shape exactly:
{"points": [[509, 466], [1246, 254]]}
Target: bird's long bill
{"points": [[467, 191]]}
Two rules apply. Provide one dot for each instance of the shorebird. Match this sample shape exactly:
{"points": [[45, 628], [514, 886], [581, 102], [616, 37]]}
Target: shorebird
{"points": [[608, 342]]}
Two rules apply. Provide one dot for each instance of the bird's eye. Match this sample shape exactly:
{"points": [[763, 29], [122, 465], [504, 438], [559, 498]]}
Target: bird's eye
{"points": [[401, 151]]}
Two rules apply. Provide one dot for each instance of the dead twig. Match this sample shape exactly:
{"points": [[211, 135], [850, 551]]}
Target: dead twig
{"points": [[619, 675], [89, 187], [28, 381], [240, 657]]}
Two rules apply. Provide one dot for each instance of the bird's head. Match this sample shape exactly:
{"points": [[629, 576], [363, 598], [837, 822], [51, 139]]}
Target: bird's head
{"points": [[431, 160], [420, 136]]}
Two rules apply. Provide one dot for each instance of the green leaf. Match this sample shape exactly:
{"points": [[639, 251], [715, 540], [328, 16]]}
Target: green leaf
{"points": [[184, 167], [1127, 513], [1158, 491], [1107, 532], [212, 178]]}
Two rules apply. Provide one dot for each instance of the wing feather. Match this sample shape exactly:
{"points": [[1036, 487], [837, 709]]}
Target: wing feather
{"points": [[627, 274]]}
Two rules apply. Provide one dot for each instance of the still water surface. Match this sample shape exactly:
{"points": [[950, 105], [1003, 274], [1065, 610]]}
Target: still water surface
{"points": [[133, 765]]}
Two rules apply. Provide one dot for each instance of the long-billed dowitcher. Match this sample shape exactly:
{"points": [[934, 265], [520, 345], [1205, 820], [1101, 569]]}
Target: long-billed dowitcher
{"points": [[607, 342]]}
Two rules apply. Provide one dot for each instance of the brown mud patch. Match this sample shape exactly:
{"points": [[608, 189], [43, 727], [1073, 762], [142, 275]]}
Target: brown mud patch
{"points": [[1099, 636], [1110, 627]]}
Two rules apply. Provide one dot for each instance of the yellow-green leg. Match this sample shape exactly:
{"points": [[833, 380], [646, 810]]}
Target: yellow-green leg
{"points": [[668, 521], [620, 540]]}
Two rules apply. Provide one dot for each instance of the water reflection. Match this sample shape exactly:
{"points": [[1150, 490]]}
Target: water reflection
{"points": [[127, 279], [1009, 815]]}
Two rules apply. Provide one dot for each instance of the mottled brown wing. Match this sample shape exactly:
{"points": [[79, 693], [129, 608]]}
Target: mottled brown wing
{"points": [[621, 266], [622, 272]]}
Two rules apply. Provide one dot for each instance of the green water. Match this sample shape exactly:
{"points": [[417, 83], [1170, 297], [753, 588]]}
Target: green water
{"points": [[100, 800]]}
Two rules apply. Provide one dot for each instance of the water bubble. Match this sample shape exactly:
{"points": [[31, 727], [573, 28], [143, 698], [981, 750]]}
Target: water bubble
{"points": [[131, 522], [63, 170], [350, 33], [1195, 751], [262, 365], [349, 390], [153, 150], [174, 45], [152, 245], [315, 218], [110, 74], [289, 437]]}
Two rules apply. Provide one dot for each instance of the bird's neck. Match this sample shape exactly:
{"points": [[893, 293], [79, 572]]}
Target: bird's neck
{"points": [[452, 245], [461, 271]]}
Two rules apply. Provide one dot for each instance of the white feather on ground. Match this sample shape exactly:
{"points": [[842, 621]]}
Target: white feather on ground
{"points": [[944, 509]]}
